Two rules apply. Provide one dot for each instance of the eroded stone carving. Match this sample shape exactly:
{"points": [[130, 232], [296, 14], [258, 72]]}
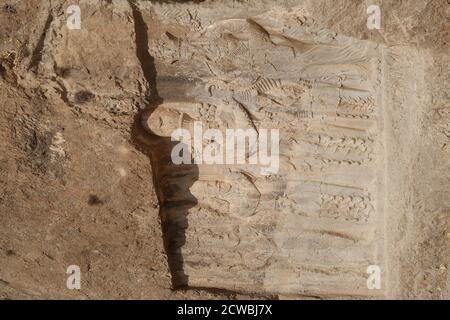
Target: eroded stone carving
{"points": [[315, 226]]}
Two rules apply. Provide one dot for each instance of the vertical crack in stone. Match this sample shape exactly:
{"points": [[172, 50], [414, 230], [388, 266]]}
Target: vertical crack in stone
{"points": [[36, 56], [158, 149]]}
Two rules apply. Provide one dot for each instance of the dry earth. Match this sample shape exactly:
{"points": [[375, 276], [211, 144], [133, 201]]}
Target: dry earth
{"points": [[85, 171]]}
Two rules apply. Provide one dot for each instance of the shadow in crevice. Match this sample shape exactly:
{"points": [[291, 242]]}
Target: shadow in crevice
{"points": [[172, 182], [36, 56]]}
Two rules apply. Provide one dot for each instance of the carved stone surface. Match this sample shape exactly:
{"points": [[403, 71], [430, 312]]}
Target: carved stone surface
{"points": [[314, 226]]}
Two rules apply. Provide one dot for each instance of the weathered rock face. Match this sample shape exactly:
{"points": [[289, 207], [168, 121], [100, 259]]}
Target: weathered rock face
{"points": [[342, 112], [313, 226], [83, 66]]}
